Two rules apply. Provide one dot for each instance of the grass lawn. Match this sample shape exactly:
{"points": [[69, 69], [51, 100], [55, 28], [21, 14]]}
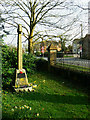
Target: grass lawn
{"points": [[54, 97], [74, 67]]}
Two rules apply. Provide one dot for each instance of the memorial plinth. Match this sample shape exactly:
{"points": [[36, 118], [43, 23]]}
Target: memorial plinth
{"points": [[21, 78], [21, 81]]}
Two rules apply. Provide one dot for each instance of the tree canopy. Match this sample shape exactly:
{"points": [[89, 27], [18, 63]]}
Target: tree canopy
{"points": [[40, 18]]}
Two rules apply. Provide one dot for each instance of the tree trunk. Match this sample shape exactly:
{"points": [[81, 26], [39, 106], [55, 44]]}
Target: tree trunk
{"points": [[30, 42], [32, 26]]}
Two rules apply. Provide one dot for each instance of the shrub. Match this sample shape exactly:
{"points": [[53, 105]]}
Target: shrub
{"points": [[46, 54], [29, 63], [9, 57], [9, 63], [38, 53], [41, 64]]}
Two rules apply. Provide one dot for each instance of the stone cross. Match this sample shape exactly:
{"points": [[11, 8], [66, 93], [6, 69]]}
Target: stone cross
{"points": [[21, 77]]}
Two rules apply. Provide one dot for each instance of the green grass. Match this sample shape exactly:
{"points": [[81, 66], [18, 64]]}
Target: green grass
{"points": [[53, 98], [74, 67], [65, 56]]}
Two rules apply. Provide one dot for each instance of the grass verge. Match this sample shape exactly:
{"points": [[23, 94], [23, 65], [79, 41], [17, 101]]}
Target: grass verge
{"points": [[54, 98], [74, 67]]}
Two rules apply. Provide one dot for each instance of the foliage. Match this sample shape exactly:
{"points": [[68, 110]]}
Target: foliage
{"points": [[69, 49], [41, 64], [9, 63], [40, 13], [38, 53], [29, 63], [46, 54]]}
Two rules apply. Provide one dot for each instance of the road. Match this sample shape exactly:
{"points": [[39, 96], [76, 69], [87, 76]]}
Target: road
{"points": [[72, 61]]}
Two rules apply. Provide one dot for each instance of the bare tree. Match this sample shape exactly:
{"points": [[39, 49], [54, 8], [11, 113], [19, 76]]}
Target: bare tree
{"points": [[32, 14]]}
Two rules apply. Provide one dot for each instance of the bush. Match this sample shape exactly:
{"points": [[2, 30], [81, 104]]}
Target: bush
{"points": [[9, 57], [41, 64], [46, 54], [9, 63], [38, 53], [29, 63]]}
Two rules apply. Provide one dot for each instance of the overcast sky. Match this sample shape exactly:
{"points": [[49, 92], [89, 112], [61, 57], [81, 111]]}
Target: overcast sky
{"points": [[84, 19]]}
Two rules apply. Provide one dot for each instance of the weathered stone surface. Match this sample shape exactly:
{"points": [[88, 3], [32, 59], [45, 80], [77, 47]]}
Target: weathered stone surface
{"points": [[21, 78], [19, 46], [28, 89], [52, 54]]}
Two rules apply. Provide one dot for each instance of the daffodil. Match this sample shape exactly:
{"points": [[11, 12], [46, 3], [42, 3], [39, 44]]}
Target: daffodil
{"points": [[37, 114], [12, 110], [27, 107], [34, 86], [43, 81], [15, 107], [22, 107], [30, 108], [34, 82]]}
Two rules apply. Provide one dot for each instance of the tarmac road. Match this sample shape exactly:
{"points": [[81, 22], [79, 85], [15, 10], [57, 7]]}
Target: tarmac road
{"points": [[74, 61]]}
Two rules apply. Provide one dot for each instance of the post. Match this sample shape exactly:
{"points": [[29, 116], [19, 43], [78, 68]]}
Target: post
{"points": [[19, 46], [52, 55]]}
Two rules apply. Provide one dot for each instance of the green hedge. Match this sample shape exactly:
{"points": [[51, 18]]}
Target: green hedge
{"points": [[29, 63], [9, 64], [41, 64]]}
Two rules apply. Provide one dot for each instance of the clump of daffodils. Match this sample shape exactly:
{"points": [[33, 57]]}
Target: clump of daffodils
{"points": [[22, 107], [30, 84]]}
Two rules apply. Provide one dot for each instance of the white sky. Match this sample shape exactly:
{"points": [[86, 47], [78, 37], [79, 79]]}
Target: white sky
{"points": [[84, 18]]}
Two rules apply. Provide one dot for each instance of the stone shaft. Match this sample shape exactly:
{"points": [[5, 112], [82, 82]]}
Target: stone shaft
{"points": [[19, 47]]}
